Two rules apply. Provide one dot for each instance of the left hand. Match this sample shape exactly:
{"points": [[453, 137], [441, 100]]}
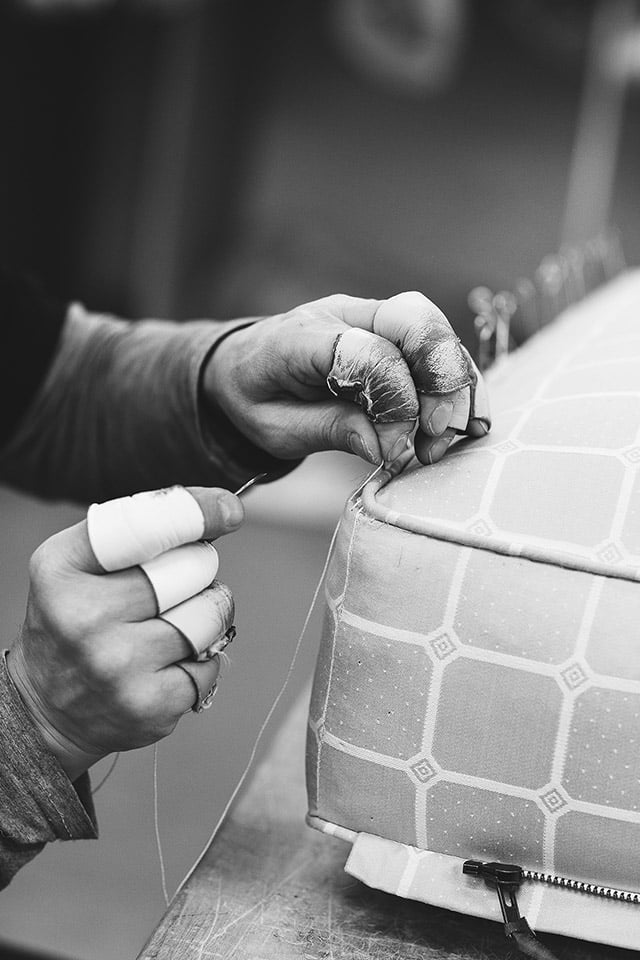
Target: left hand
{"points": [[349, 374]]}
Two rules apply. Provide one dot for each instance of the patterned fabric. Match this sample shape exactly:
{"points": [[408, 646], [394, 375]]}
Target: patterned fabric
{"points": [[477, 693]]}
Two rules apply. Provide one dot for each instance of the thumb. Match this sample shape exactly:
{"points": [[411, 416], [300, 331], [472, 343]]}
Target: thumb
{"points": [[129, 531]]}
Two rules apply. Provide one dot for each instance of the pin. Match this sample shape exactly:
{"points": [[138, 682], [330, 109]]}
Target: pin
{"points": [[561, 279]]}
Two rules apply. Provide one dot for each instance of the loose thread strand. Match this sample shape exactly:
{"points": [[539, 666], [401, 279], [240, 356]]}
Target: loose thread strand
{"points": [[265, 722], [163, 872]]}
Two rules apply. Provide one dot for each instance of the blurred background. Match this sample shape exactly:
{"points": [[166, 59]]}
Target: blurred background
{"points": [[222, 158]]}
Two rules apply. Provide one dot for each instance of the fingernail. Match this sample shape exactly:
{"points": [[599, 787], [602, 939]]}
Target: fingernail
{"points": [[477, 428], [439, 419], [231, 510], [400, 446], [361, 449], [439, 449]]}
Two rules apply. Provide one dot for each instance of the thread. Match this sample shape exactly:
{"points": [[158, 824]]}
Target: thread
{"points": [[107, 775], [156, 825], [261, 731]]}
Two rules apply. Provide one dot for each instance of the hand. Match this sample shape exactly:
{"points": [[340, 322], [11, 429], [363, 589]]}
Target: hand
{"points": [[390, 365], [94, 664]]}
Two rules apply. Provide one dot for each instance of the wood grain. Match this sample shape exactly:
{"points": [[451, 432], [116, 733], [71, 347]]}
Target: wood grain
{"points": [[270, 888]]}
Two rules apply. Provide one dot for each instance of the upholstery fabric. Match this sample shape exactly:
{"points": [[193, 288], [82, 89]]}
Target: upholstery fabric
{"points": [[477, 692]]}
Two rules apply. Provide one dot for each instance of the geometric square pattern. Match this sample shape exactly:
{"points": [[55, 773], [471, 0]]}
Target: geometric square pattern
{"points": [[609, 553], [553, 800], [497, 700], [479, 670], [574, 676], [442, 646], [602, 765], [388, 682], [423, 771]]}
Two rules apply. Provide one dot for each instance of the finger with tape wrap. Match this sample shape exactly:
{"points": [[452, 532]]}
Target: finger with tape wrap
{"points": [[133, 530], [181, 573], [204, 621]]}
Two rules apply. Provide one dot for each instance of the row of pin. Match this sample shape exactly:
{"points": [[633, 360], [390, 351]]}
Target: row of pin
{"points": [[506, 319]]}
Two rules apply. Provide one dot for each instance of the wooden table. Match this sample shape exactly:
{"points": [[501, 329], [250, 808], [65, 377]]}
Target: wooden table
{"points": [[270, 887]]}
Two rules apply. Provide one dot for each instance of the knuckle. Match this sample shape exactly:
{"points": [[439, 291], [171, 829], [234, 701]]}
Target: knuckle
{"points": [[108, 665], [332, 432], [42, 562]]}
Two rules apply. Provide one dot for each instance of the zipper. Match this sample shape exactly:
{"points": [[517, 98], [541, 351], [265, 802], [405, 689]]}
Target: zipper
{"points": [[609, 893], [506, 879]]}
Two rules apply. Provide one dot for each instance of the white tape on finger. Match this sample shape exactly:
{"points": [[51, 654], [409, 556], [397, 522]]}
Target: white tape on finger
{"points": [[202, 619], [181, 573], [133, 530]]}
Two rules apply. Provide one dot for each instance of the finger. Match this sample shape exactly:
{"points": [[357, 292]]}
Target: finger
{"points": [[395, 439], [194, 683], [427, 342], [202, 620], [131, 530], [140, 593], [466, 411], [421, 332], [432, 449], [436, 412], [480, 413], [370, 371], [181, 573]]}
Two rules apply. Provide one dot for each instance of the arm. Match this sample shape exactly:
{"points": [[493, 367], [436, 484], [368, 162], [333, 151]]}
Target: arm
{"points": [[119, 410]]}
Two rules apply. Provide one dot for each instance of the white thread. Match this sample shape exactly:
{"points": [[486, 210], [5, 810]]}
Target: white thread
{"points": [[181, 573], [263, 726], [131, 530], [163, 872]]}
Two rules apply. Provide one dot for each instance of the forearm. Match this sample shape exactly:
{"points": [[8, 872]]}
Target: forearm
{"points": [[120, 411]]}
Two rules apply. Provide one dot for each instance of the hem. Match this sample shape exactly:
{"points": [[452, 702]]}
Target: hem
{"points": [[437, 879]]}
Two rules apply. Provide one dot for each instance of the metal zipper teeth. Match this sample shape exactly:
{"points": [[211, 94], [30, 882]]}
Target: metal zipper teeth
{"points": [[609, 893]]}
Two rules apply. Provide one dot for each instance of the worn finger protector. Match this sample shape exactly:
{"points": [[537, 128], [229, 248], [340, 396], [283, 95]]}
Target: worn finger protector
{"points": [[203, 619], [181, 573], [426, 340], [370, 371], [386, 374], [132, 530]]}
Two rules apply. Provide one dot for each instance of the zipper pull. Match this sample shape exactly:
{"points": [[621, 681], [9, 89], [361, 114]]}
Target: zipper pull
{"points": [[506, 878]]}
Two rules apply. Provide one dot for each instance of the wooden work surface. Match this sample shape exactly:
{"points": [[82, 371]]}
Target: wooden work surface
{"points": [[270, 887]]}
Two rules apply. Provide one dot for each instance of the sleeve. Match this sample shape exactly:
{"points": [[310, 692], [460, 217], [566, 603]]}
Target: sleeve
{"points": [[38, 802], [119, 411]]}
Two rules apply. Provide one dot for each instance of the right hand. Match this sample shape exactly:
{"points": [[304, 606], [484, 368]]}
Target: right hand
{"points": [[94, 664]]}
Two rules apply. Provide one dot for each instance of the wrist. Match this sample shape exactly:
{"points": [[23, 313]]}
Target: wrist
{"points": [[73, 760], [219, 373]]}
